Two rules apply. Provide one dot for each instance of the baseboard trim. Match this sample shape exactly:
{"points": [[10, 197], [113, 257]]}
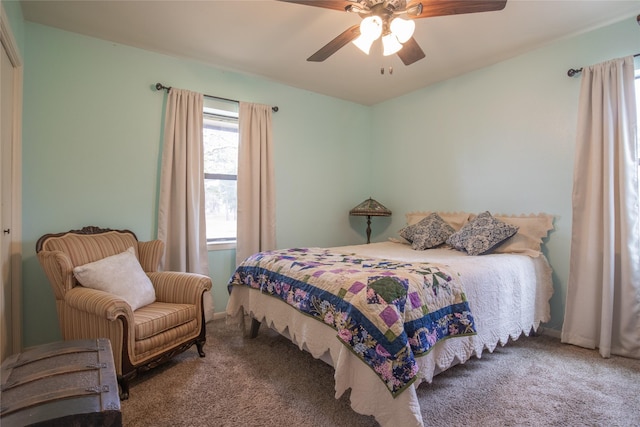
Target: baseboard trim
{"points": [[219, 315], [549, 332]]}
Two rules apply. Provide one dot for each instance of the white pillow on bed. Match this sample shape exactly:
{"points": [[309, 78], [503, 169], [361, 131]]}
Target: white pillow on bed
{"points": [[531, 230], [120, 275]]}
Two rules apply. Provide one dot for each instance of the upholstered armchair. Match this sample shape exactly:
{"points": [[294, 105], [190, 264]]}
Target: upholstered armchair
{"points": [[107, 284]]}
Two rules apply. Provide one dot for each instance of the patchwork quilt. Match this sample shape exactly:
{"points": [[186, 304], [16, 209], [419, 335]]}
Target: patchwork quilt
{"points": [[386, 312]]}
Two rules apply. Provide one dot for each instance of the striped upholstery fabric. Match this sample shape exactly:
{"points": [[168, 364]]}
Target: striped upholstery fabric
{"points": [[78, 324], [158, 317], [173, 286], [166, 340], [82, 249], [59, 270], [149, 254], [174, 320], [99, 303]]}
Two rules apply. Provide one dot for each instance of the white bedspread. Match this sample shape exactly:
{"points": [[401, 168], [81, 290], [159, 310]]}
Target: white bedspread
{"points": [[508, 294]]}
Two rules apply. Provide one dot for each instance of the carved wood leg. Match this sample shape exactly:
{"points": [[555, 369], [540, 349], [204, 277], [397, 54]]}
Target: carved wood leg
{"points": [[124, 387], [255, 325], [202, 338], [200, 346]]}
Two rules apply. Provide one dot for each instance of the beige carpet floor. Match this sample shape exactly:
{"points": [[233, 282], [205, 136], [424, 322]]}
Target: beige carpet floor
{"points": [[267, 381]]}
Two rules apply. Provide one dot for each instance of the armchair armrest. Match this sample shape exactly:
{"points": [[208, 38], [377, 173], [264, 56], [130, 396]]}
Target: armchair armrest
{"points": [[179, 287], [98, 303]]}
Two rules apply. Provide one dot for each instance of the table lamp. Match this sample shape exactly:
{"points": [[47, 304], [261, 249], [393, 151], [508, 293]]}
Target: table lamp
{"points": [[369, 208]]}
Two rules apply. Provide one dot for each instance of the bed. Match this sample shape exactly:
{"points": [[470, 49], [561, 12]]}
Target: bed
{"points": [[480, 302]]}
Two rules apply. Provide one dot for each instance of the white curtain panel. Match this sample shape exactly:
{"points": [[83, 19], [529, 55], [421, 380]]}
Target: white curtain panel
{"points": [[603, 295], [181, 215], [256, 187]]}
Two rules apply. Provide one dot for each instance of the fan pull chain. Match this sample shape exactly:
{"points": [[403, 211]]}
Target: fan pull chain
{"points": [[382, 70]]}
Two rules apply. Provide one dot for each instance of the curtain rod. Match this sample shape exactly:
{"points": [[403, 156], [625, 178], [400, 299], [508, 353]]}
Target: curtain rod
{"points": [[573, 71], [160, 86]]}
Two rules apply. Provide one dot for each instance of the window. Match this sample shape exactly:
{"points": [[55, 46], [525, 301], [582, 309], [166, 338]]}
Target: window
{"points": [[220, 139]]}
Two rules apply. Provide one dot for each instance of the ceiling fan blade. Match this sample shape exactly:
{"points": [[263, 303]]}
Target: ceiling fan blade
{"points": [[327, 4], [410, 52], [455, 7], [334, 45]]}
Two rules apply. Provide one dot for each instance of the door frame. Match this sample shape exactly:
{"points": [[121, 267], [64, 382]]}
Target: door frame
{"points": [[9, 43]]}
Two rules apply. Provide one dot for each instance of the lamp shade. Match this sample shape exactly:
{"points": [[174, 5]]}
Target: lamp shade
{"points": [[363, 43], [403, 29], [371, 27], [370, 207], [370, 31], [390, 44]]}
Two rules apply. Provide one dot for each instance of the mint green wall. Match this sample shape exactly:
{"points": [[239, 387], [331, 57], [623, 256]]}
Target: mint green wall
{"points": [[499, 139], [91, 150]]}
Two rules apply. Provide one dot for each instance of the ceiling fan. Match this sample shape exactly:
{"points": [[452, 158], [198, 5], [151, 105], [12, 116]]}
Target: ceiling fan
{"points": [[393, 21]]}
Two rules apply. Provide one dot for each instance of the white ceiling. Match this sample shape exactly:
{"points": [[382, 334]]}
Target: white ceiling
{"points": [[272, 39]]}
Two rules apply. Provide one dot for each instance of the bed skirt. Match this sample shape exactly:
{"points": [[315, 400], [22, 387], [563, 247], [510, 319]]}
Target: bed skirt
{"points": [[528, 306]]}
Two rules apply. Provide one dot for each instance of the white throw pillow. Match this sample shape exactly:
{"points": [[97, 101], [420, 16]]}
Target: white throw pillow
{"points": [[120, 275], [528, 240]]}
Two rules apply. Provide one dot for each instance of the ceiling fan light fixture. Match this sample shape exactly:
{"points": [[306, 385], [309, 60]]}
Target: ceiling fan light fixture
{"points": [[363, 43], [403, 29], [382, 12], [370, 31], [371, 27], [390, 44]]}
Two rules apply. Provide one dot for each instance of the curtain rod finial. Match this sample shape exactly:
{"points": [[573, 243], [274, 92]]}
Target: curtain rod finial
{"points": [[572, 72]]}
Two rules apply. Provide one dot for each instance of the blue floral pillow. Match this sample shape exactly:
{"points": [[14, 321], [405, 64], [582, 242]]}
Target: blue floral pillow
{"points": [[481, 234], [430, 232]]}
